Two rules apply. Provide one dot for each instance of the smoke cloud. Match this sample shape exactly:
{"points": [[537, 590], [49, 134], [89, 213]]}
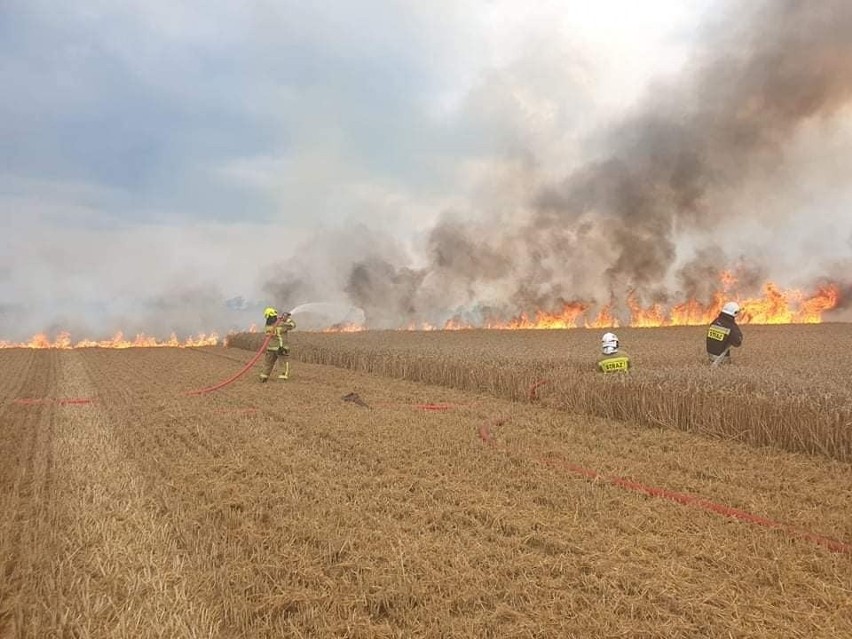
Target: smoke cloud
{"points": [[419, 161], [689, 162]]}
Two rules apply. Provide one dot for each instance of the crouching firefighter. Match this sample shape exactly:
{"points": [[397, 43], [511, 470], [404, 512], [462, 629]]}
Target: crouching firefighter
{"points": [[724, 334], [277, 329], [612, 361]]}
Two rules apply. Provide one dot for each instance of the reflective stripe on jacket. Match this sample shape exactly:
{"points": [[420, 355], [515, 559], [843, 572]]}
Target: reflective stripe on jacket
{"points": [[722, 334], [279, 334], [615, 363]]}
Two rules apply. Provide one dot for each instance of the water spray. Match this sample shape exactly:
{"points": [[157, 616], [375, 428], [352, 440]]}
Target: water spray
{"points": [[332, 313]]}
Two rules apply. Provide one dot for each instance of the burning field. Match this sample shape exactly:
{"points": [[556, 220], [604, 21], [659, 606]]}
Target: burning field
{"points": [[433, 467], [63, 340], [772, 305], [447, 483]]}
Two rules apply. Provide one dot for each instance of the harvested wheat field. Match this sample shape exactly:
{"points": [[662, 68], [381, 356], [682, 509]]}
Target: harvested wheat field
{"points": [[282, 510]]}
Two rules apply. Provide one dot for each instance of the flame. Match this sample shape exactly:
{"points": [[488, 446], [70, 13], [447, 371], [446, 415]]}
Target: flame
{"points": [[604, 319], [345, 328], [728, 280], [774, 305], [63, 341]]}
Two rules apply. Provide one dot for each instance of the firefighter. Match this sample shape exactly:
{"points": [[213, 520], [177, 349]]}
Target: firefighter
{"points": [[724, 334], [612, 361], [277, 346]]}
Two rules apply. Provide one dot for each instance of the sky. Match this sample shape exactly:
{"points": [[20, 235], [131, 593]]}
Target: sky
{"points": [[174, 165]]}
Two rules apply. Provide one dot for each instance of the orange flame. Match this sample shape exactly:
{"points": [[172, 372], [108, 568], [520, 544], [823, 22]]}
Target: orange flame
{"points": [[773, 306], [345, 328], [63, 341], [728, 280]]}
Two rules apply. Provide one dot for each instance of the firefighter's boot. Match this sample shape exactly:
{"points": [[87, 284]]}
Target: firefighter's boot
{"points": [[285, 374]]}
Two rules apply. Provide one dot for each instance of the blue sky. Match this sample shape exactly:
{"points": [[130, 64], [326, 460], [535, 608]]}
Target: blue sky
{"points": [[160, 157]]}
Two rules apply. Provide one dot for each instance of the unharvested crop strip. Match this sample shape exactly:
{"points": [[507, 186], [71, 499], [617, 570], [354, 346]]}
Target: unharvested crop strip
{"points": [[532, 393]]}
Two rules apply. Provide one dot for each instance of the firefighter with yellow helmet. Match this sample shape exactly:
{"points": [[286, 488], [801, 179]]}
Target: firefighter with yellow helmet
{"points": [[277, 329], [612, 360]]}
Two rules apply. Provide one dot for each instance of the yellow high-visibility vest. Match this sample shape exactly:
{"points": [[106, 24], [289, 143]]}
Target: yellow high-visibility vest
{"points": [[614, 364]]}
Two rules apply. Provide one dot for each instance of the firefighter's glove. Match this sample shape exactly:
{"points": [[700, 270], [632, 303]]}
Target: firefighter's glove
{"points": [[281, 350]]}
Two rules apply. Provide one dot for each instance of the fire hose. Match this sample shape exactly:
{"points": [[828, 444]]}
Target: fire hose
{"points": [[232, 378], [194, 392], [241, 372], [485, 432]]}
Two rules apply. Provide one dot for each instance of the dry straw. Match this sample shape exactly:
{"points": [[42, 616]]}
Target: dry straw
{"points": [[788, 398]]}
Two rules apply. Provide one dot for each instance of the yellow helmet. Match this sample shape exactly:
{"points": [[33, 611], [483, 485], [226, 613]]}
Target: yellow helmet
{"points": [[270, 312]]}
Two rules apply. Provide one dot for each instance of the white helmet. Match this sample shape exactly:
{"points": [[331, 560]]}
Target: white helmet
{"points": [[731, 308], [609, 343]]}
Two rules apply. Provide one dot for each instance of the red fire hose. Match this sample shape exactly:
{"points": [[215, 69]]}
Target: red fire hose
{"points": [[683, 499], [238, 374]]}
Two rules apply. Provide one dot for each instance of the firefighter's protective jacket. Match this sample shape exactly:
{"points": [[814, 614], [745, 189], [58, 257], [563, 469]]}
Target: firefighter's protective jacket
{"points": [[615, 363], [279, 334], [723, 334]]}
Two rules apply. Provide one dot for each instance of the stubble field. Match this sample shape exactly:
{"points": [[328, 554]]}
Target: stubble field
{"points": [[281, 510]]}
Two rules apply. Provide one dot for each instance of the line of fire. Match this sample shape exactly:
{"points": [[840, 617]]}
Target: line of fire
{"points": [[774, 305]]}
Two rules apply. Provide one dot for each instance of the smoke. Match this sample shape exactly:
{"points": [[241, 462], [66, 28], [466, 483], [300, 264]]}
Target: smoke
{"points": [[184, 310], [142, 279], [686, 163], [839, 272], [724, 126], [384, 292], [354, 265]]}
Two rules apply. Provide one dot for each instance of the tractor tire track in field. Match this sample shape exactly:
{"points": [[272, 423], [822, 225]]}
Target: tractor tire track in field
{"points": [[198, 469], [26, 451], [107, 566], [17, 364]]}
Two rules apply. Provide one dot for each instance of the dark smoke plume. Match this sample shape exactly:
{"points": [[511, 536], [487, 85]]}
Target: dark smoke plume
{"points": [[612, 226], [727, 124], [384, 292]]}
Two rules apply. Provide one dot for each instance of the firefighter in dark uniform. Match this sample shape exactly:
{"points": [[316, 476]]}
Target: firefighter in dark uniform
{"points": [[724, 334], [277, 346], [612, 361]]}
